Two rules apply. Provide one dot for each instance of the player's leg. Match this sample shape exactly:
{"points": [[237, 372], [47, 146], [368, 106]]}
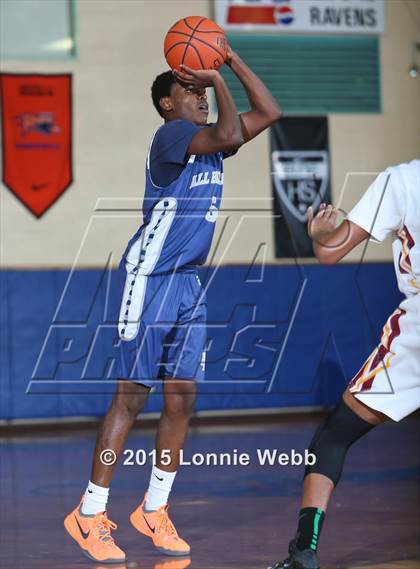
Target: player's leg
{"points": [[128, 401], [317, 488], [179, 401], [151, 517], [183, 359], [88, 524], [349, 421]]}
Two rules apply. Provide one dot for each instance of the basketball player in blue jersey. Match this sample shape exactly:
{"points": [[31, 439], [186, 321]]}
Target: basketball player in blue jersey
{"points": [[163, 307]]}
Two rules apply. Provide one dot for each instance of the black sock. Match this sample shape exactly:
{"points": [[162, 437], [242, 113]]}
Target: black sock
{"points": [[309, 528]]}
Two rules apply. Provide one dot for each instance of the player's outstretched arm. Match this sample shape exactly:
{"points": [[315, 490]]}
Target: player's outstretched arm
{"points": [[332, 243], [264, 108], [226, 134]]}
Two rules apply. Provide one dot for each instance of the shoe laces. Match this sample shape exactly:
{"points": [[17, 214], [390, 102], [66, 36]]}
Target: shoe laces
{"points": [[102, 528], [165, 525]]}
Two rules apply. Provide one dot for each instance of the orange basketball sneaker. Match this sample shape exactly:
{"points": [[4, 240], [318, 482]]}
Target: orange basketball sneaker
{"points": [[93, 534], [159, 527]]}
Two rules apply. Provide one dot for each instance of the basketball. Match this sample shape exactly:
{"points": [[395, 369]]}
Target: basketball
{"points": [[196, 42]]}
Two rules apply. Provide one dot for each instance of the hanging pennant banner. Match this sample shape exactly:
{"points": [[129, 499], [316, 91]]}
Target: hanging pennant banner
{"points": [[301, 178], [37, 137]]}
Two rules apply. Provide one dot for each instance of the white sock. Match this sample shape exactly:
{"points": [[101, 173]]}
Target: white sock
{"points": [[159, 489], [95, 499]]}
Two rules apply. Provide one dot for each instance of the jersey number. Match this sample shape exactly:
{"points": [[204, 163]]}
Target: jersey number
{"points": [[212, 212]]}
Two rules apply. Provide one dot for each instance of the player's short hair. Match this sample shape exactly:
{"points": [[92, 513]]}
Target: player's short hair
{"points": [[162, 88]]}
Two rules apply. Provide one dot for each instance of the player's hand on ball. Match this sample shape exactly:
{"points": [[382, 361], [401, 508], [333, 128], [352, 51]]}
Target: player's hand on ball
{"points": [[323, 223], [199, 79], [229, 56]]}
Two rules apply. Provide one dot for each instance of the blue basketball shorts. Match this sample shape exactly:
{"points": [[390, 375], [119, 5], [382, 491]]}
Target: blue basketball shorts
{"points": [[162, 326]]}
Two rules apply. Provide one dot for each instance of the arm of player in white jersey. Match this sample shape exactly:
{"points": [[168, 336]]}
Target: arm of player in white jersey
{"points": [[378, 212], [332, 243]]}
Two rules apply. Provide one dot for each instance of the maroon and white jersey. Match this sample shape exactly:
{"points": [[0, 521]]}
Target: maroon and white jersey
{"points": [[392, 205], [389, 380]]}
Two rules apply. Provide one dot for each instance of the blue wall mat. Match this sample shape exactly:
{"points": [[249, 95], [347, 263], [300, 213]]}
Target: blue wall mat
{"points": [[277, 336]]}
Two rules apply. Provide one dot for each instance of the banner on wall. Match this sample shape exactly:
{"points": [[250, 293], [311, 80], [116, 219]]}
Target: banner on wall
{"points": [[318, 16], [300, 168], [36, 137]]}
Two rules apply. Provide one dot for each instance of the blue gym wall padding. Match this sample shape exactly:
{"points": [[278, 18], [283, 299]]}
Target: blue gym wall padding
{"points": [[279, 336]]}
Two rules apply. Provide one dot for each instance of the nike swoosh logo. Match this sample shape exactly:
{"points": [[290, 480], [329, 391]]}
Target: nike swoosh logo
{"points": [[150, 527], [84, 534], [161, 479]]}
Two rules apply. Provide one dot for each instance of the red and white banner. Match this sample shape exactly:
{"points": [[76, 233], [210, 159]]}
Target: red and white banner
{"points": [[313, 16], [37, 137]]}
